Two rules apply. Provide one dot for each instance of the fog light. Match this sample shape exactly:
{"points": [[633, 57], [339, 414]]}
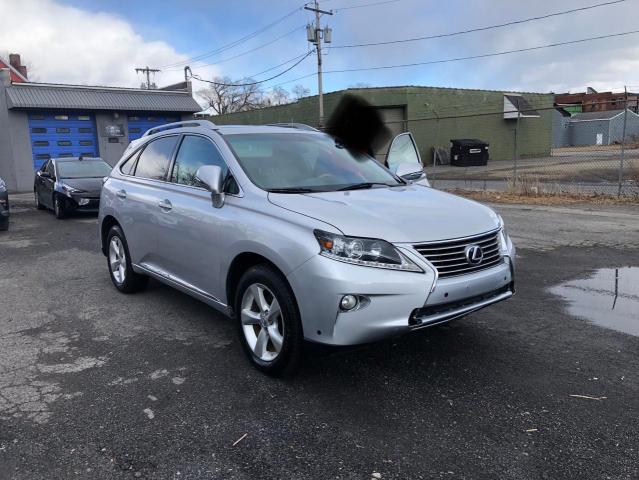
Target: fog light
{"points": [[83, 201], [348, 302]]}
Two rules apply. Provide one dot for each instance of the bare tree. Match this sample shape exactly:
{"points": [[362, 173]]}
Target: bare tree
{"points": [[225, 96], [300, 91], [279, 96]]}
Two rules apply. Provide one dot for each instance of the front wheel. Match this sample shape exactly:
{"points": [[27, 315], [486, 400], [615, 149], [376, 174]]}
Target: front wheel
{"points": [[268, 320], [119, 263], [58, 207]]}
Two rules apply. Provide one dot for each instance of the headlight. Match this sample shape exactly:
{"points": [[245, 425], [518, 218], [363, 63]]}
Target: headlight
{"points": [[368, 252], [69, 190], [503, 234]]}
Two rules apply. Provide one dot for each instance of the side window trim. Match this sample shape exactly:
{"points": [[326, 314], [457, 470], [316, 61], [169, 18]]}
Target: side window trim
{"points": [[139, 152], [229, 173]]}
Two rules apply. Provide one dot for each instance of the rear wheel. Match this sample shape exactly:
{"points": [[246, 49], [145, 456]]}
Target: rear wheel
{"points": [[58, 207], [268, 321], [119, 263]]}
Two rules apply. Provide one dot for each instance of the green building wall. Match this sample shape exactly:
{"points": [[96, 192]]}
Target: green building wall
{"points": [[434, 116]]}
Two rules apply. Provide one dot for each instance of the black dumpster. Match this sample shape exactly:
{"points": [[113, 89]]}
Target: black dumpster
{"points": [[468, 152]]}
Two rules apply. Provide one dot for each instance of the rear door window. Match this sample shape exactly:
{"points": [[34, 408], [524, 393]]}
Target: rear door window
{"points": [[156, 157], [195, 152]]}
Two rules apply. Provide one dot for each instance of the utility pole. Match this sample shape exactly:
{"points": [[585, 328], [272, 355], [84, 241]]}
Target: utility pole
{"points": [[314, 34], [148, 72]]}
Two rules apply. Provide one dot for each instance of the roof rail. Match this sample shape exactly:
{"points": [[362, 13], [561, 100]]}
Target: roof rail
{"points": [[182, 124], [299, 126]]}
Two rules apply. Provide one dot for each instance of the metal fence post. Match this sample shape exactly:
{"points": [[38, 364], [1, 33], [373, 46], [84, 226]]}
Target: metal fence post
{"points": [[623, 140], [516, 153]]}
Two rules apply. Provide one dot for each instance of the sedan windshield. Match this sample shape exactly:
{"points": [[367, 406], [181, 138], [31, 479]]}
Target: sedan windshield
{"points": [[83, 169], [299, 163]]}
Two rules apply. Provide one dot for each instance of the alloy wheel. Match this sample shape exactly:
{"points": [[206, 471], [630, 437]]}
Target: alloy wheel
{"points": [[117, 259], [262, 322]]}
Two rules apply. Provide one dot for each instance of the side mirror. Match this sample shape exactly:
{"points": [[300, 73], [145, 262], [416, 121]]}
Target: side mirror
{"points": [[211, 176], [412, 173], [405, 170]]}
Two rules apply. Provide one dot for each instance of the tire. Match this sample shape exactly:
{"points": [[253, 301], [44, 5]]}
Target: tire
{"points": [[38, 205], [283, 327], [121, 273], [58, 207]]}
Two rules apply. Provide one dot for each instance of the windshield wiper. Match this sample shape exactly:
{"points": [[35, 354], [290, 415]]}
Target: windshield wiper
{"points": [[291, 190], [361, 186]]}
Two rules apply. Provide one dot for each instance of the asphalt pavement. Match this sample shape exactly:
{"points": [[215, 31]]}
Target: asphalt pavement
{"points": [[96, 384]]}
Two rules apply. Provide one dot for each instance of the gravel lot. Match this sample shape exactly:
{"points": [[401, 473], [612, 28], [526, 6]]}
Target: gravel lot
{"points": [[95, 384]]}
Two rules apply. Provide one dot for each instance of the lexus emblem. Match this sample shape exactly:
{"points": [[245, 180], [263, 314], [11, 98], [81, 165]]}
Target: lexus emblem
{"points": [[474, 254]]}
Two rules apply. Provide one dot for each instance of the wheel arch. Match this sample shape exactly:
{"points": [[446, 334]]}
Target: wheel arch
{"points": [[240, 264], [107, 222]]}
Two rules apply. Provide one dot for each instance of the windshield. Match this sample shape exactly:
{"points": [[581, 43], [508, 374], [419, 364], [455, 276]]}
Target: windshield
{"points": [[83, 169], [289, 161]]}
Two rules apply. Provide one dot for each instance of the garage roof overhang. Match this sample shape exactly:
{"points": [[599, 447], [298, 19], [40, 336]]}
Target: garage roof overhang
{"points": [[77, 97]]}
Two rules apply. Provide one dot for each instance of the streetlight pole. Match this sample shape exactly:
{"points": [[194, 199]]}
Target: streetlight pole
{"points": [[314, 35]]}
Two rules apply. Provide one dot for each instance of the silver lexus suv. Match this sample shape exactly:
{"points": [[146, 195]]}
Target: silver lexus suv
{"points": [[297, 237]]}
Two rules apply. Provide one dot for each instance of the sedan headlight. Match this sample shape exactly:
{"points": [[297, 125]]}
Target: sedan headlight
{"points": [[69, 190], [368, 252]]}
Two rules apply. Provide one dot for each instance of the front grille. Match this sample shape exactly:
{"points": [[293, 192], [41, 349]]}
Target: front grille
{"points": [[449, 256]]}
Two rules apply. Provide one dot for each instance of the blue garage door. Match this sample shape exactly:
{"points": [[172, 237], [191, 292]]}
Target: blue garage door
{"points": [[58, 135], [140, 123]]}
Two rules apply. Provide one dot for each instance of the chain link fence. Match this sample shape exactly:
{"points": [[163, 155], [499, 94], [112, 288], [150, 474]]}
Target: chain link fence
{"points": [[588, 149]]}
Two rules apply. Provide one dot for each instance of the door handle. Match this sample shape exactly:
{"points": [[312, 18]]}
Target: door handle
{"points": [[165, 205], [121, 194]]}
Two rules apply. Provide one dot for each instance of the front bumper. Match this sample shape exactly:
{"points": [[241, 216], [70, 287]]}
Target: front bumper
{"points": [[82, 202], [397, 302]]}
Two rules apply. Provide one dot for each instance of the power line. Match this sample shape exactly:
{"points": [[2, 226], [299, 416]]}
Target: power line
{"points": [[247, 84], [480, 29], [276, 39], [485, 55], [236, 42], [279, 65], [372, 4]]}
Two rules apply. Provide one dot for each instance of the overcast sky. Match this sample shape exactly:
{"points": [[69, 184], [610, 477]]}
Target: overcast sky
{"points": [[101, 42]]}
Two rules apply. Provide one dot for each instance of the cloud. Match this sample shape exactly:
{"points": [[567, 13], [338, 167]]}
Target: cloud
{"points": [[64, 44], [603, 64]]}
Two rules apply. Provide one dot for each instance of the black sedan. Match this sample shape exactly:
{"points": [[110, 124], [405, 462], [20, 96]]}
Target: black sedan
{"points": [[70, 184], [4, 206]]}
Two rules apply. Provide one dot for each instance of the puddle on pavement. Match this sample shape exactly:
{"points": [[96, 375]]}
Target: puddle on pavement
{"points": [[609, 298]]}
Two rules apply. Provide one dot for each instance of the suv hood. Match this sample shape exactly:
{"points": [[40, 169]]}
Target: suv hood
{"points": [[410, 214]]}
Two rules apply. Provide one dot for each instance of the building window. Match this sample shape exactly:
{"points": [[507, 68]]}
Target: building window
{"points": [[61, 117], [65, 155], [86, 142], [84, 117], [43, 156], [64, 143], [134, 119], [41, 143], [85, 130], [134, 130], [39, 130], [62, 130]]}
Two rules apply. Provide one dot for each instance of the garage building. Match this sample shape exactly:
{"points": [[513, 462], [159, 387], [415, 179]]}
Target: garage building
{"points": [[39, 121], [435, 116]]}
